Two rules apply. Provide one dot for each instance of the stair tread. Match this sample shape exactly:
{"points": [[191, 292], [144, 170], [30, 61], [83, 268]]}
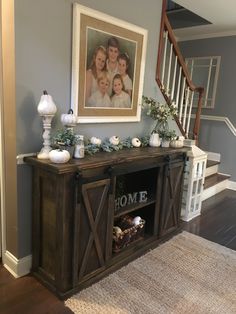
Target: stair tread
{"points": [[214, 179], [211, 163]]}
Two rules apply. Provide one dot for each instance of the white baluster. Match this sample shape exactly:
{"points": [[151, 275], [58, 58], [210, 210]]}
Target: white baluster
{"points": [[174, 76], [182, 99], [169, 68], [164, 60], [178, 87]]}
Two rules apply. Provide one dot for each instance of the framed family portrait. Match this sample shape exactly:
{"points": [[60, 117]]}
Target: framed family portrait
{"points": [[108, 61]]}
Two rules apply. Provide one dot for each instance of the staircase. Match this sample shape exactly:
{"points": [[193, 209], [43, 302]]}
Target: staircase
{"points": [[177, 88], [215, 182], [174, 81]]}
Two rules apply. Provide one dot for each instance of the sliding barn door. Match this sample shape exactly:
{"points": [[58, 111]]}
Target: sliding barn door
{"points": [[172, 196], [94, 237]]}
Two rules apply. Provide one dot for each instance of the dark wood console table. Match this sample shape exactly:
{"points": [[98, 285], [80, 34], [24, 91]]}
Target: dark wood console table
{"points": [[74, 212]]}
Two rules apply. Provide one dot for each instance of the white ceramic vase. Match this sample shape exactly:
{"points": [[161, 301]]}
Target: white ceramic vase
{"points": [[154, 140]]}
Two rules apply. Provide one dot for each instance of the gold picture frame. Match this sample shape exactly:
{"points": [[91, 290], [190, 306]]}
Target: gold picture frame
{"points": [[94, 31]]}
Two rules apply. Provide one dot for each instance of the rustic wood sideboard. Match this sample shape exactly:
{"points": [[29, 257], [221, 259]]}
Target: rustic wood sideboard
{"points": [[74, 212]]}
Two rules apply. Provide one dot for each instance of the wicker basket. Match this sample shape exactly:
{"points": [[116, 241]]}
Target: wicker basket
{"points": [[129, 233]]}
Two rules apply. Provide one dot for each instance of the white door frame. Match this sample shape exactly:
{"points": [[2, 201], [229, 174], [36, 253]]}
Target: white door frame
{"points": [[8, 169], [2, 226]]}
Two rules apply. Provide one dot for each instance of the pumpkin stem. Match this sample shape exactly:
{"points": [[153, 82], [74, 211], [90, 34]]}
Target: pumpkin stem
{"points": [[45, 92]]}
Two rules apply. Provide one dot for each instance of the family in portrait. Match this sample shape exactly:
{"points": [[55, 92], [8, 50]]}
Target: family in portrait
{"points": [[108, 83]]}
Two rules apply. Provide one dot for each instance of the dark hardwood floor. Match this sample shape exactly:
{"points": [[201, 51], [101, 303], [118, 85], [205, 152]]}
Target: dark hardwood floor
{"points": [[217, 222], [27, 296]]}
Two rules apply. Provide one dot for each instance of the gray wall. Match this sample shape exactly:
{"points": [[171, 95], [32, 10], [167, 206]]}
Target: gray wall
{"points": [[43, 61], [216, 136]]}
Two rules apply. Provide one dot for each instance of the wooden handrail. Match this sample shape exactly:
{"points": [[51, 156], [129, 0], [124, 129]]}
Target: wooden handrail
{"points": [[165, 26], [181, 61]]}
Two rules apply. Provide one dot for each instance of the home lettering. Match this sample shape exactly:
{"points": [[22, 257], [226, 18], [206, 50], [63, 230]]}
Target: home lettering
{"points": [[131, 198]]}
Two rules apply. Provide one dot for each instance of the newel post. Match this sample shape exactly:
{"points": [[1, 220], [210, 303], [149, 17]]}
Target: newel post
{"points": [[196, 127]]}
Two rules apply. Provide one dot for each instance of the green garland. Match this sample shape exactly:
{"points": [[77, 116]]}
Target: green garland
{"points": [[106, 146]]}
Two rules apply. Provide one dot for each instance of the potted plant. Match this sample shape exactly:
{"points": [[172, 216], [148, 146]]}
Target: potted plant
{"points": [[65, 139], [160, 113], [167, 136]]}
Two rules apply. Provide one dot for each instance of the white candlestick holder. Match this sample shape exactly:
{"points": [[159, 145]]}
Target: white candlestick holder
{"points": [[44, 152]]}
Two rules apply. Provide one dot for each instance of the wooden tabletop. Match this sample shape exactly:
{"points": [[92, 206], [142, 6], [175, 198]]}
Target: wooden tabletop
{"points": [[103, 158]]}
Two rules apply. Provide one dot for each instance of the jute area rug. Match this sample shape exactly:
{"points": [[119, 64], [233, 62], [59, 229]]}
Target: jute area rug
{"points": [[187, 274]]}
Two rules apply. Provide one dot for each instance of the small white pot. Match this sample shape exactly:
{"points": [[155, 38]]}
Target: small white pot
{"points": [[165, 143]]}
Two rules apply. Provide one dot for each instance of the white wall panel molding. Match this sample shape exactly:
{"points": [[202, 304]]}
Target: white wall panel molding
{"points": [[220, 119]]}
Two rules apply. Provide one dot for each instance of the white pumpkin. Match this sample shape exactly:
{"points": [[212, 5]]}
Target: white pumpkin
{"points": [[46, 105], [114, 140], [95, 140], [137, 220], [59, 156], [117, 231], [136, 142], [69, 118], [176, 143]]}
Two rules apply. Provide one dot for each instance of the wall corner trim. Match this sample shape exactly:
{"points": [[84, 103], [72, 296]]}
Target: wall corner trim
{"points": [[17, 267]]}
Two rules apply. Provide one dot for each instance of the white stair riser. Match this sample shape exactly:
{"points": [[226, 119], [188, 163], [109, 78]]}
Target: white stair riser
{"points": [[213, 156], [217, 188], [211, 170]]}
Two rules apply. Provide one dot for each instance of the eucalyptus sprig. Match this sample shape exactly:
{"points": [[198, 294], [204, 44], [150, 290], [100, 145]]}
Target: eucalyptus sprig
{"points": [[64, 137], [144, 140], [127, 143], [107, 146], [91, 149]]}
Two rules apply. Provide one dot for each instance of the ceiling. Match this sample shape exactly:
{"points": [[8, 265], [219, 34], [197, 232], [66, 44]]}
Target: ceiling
{"points": [[221, 13]]}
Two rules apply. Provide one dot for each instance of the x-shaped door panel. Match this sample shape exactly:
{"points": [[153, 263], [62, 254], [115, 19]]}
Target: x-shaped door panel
{"points": [[94, 216]]}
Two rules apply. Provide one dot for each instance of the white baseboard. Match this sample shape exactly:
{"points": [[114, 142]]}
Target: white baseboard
{"points": [[217, 188], [17, 267], [190, 216], [231, 185]]}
